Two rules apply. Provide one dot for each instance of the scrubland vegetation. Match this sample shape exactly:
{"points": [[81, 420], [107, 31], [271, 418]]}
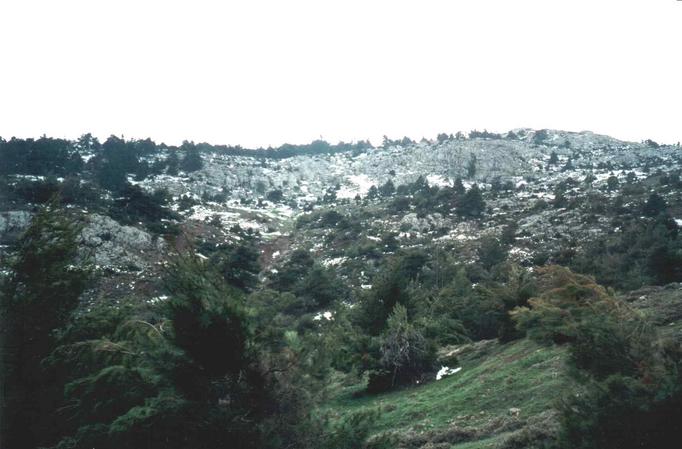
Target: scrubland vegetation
{"points": [[345, 341]]}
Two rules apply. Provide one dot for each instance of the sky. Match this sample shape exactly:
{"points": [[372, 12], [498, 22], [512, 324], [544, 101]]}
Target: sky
{"points": [[262, 73]]}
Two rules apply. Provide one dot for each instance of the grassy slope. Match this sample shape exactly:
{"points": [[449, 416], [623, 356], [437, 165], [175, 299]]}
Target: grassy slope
{"points": [[493, 379]]}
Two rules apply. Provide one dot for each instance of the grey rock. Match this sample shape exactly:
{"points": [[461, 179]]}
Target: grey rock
{"points": [[116, 246], [12, 224]]}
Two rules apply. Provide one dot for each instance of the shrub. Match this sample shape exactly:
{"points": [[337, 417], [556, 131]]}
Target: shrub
{"points": [[405, 353]]}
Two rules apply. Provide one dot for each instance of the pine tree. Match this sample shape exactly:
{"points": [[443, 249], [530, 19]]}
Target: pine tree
{"points": [[471, 167], [42, 289], [553, 159], [458, 187], [181, 374], [655, 205], [472, 203], [192, 159], [387, 189], [405, 353], [173, 163]]}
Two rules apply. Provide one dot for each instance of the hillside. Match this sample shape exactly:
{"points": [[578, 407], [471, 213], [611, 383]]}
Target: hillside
{"points": [[505, 395], [467, 291]]}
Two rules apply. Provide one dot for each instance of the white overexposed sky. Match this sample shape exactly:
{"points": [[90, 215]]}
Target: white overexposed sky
{"points": [[261, 73]]}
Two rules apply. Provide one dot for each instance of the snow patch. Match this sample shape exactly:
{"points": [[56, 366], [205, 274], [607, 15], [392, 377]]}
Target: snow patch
{"points": [[438, 180], [445, 371], [326, 315], [334, 262]]}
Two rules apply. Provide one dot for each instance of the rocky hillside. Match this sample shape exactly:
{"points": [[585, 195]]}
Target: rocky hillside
{"points": [[552, 190], [418, 295]]}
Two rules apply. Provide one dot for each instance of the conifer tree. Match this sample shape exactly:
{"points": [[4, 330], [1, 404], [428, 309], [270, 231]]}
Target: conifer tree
{"points": [[42, 289]]}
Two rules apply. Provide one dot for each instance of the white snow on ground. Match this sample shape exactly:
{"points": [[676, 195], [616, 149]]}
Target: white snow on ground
{"points": [[334, 262], [361, 185], [678, 222], [86, 157], [438, 180], [445, 371], [326, 315], [158, 299], [30, 177], [363, 182]]}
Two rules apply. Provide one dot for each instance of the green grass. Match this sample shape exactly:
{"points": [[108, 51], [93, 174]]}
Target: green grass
{"points": [[483, 443], [493, 379]]}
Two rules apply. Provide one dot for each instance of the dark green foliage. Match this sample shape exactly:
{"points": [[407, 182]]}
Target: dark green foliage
{"points": [[86, 194], [389, 242], [389, 288], [135, 205], [471, 167], [191, 160], [299, 264], [479, 310], [160, 378], [398, 205], [117, 159], [654, 205], [612, 183], [651, 143], [388, 189], [559, 200], [623, 412], [442, 137], [87, 143], [239, 264], [42, 289], [564, 300], [485, 134], [313, 284], [491, 252], [458, 187], [472, 203], [629, 393], [646, 252], [373, 193], [568, 166], [206, 316], [405, 354], [41, 191], [426, 199], [540, 137], [509, 233], [553, 158], [45, 156], [173, 163], [320, 288], [482, 312], [275, 196]]}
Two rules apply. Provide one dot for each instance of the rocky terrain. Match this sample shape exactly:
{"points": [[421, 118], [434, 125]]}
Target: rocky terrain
{"points": [[518, 175], [446, 244]]}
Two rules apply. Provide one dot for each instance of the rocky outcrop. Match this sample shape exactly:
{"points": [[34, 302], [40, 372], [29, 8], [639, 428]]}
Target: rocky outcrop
{"points": [[428, 223], [12, 224], [115, 246]]}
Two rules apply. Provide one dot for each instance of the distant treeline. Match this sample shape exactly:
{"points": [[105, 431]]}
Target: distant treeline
{"points": [[62, 157], [48, 155]]}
